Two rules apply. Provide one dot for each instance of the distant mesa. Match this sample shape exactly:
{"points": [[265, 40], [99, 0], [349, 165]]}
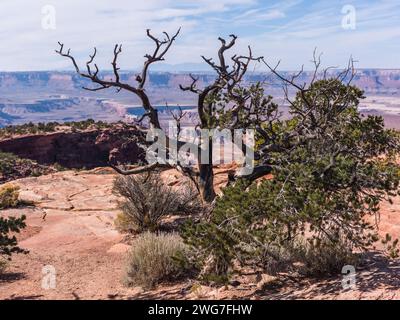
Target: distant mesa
{"points": [[58, 96]]}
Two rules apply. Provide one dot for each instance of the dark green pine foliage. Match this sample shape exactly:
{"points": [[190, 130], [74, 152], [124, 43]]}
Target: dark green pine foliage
{"points": [[8, 244], [331, 168]]}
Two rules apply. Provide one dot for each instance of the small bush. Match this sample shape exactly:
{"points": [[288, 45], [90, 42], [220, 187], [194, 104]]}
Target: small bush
{"points": [[59, 167], [13, 167], [154, 258], [391, 247], [324, 258], [7, 163], [9, 194], [3, 265], [188, 201], [148, 200], [276, 258]]}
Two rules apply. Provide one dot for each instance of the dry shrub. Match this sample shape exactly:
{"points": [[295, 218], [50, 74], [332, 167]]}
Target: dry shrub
{"points": [[148, 199], [391, 247], [9, 194], [124, 223], [155, 258], [325, 258], [308, 257], [276, 259], [189, 201], [3, 266]]}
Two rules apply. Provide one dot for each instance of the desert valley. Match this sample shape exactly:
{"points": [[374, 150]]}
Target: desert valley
{"points": [[58, 96]]}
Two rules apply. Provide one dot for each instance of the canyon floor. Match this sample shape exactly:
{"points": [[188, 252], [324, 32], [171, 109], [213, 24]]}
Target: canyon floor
{"points": [[71, 228]]}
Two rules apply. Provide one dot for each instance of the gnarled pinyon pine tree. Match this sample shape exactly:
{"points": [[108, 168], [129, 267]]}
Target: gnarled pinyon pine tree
{"points": [[212, 113], [330, 169]]}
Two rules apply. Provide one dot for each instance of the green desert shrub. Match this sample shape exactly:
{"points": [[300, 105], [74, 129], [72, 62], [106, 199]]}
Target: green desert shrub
{"points": [[12, 167], [9, 194], [36, 128], [147, 199], [8, 241], [7, 163], [155, 258], [391, 247]]}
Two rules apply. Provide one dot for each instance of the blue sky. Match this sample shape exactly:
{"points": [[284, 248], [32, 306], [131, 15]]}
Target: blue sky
{"points": [[279, 30]]}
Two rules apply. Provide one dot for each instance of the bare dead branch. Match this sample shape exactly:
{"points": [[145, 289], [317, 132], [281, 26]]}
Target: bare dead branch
{"points": [[162, 47], [192, 86], [117, 51], [142, 169], [91, 58]]}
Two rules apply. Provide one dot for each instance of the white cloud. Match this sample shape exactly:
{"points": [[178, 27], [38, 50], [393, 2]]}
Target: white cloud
{"points": [[289, 30], [259, 15], [84, 24]]}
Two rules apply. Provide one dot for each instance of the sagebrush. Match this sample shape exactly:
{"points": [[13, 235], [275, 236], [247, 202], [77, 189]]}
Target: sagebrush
{"points": [[9, 195], [147, 199], [155, 258]]}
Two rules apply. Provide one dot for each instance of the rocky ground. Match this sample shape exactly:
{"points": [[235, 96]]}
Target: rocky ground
{"points": [[71, 228]]}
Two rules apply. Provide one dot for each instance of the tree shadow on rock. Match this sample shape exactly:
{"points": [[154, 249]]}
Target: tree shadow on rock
{"points": [[375, 273], [9, 277]]}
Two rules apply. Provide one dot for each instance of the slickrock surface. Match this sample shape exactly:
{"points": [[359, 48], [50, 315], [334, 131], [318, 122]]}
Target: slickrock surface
{"points": [[71, 228]]}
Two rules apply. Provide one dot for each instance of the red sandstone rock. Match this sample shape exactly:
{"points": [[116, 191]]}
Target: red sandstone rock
{"points": [[86, 149]]}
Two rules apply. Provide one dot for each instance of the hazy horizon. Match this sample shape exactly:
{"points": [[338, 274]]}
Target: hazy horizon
{"points": [[202, 69]]}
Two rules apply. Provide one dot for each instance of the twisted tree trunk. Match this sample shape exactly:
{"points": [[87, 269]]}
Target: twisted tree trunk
{"points": [[205, 179], [206, 182]]}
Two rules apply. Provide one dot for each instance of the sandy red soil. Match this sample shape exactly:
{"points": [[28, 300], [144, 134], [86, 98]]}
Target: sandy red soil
{"points": [[71, 228]]}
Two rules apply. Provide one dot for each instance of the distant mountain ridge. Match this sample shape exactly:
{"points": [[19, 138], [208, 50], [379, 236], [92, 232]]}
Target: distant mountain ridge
{"points": [[66, 81], [44, 96]]}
